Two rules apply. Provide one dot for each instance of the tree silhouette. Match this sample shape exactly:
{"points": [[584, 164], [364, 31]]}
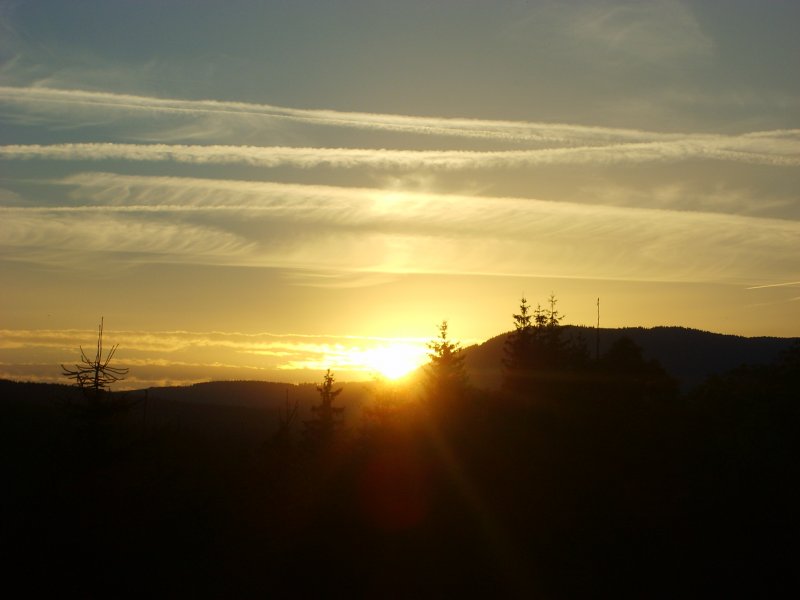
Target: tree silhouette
{"points": [[540, 359], [519, 348], [629, 375], [447, 377], [549, 327], [327, 417], [94, 377], [536, 344]]}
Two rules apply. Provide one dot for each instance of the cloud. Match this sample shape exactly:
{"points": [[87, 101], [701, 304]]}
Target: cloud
{"points": [[169, 357], [374, 231], [9, 196], [181, 340], [68, 235], [660, 32], [178, 119], [775, 285], [683, 196], [605, 35], [780, 149], [338, 279], [79, 106]]}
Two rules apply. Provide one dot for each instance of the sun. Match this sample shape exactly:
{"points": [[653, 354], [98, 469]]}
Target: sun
{"points": [[395, 360]]}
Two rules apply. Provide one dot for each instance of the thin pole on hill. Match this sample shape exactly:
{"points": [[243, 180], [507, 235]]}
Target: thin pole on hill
{"points": [[144, 410], [597, 337]]}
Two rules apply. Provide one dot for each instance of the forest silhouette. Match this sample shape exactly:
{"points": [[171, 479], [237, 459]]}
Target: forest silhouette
{"points": [[582, 474]]}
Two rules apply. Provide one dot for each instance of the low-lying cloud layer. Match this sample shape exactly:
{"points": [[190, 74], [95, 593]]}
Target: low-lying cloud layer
{"points": [[184, 357]]}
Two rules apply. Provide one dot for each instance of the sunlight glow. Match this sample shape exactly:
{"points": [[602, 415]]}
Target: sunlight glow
{"points": [[392, 361], [386, 359]]}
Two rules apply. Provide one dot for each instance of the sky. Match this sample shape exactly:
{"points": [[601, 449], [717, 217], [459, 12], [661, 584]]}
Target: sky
{"points": [[264, 190]]}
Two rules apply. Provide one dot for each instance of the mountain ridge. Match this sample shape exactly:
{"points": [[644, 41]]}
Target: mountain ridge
{"points": [[689, 355]]}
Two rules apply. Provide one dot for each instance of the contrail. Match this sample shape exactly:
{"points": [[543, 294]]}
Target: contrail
{"points": [[307, 157], [772, 285]]}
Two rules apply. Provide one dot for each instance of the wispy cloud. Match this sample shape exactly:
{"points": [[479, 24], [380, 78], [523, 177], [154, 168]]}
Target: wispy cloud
{"points": [[696, 196], [774, 285], [660, 32], [372, 230], [72, 106], [258, 343], [780, 149], [43, 233]]}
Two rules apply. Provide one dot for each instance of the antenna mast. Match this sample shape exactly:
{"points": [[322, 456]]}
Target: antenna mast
{"points": [[597, 338]]}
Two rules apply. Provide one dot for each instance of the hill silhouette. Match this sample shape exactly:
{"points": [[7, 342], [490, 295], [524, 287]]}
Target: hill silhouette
{"points": [[265, 395], [570, 488], [269, 399], [688, 355]]}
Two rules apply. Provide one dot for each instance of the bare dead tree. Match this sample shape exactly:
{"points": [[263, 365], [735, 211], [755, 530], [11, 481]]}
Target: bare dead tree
{"points": [[94, 376]]}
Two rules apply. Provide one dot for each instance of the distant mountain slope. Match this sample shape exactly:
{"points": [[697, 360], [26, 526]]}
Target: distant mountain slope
{"points": [[250, 410], [264, 396], [689, 355], [261, 394]]}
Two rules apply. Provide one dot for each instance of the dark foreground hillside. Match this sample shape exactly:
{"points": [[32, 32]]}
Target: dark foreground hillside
{"points": [[688, 355], [607, 493]]}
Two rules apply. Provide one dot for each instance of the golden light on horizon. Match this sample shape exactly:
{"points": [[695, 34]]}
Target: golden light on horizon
{"points": [[392, 361], [245, 231], [384, 359]]}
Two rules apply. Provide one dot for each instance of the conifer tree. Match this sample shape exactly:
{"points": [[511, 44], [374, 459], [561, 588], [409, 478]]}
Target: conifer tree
{"points": [[327, 417], [551, 330], [519, 347], [537, 357], [447, 376]]}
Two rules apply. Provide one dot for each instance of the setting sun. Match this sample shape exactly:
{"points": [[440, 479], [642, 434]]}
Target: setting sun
{"points": [[395, 360]]}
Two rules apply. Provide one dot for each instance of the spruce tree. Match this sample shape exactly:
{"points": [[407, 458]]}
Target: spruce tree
{"points": [[446, 375], [327, 418], [551, 332], [519, 348], [539, 361]]}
